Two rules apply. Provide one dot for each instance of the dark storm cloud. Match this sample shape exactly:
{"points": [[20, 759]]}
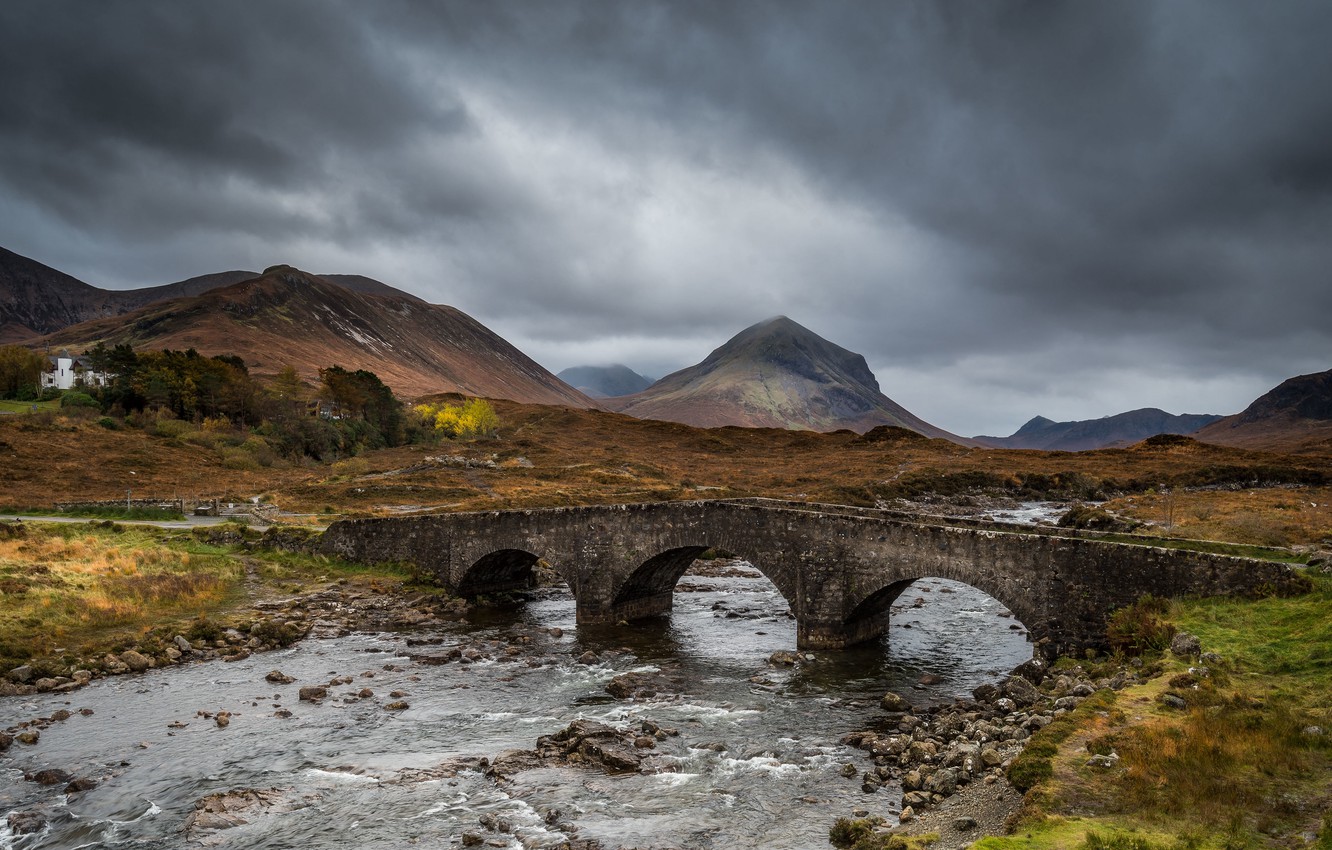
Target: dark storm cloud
{"points": [[1010, 207]]}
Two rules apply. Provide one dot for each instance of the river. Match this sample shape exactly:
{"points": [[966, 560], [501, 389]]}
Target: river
{"points": [[756, 764]]}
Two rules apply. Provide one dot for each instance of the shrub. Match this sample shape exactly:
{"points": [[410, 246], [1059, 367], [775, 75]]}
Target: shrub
{"points": [[1096, 519], [284, 634], [74, 398], [204, 629], [847, 833], [170, 428], [239, 459], [108, 423], [474, 418], [259, 448], [207, 439], [859, 834], [1140, 627]]}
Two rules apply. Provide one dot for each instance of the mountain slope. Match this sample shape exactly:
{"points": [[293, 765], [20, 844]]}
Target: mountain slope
{"points": [[1122, 429], [289, 317], [1294, 416], [36, 299], [776, 374], [604, 381]]}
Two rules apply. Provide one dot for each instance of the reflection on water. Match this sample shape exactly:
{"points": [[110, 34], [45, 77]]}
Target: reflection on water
{"points": [[756, 762]]}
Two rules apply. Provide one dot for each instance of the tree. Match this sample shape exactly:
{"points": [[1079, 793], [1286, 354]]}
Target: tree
{"points": [[474, 418], [362, 394], [20, 371]]}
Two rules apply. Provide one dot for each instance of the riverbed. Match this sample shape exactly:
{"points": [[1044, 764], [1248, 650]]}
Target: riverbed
{"points": [[757, 761]]}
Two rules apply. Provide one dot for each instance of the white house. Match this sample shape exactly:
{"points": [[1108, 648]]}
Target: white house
{"points": [[64, 372]]}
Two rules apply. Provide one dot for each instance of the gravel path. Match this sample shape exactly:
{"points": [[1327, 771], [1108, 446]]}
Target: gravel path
{"points": [[988, 805]]}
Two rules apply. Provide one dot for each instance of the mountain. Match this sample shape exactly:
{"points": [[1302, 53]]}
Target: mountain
{"points": [[288, 317], [36, 299], [604, 381], [1122, 429], [1295, 416], [776, 374]]}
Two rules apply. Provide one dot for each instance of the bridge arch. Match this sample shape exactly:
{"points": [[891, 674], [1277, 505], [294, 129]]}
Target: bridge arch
{"points": [[868, 617], [649, 590], [500, 571]]}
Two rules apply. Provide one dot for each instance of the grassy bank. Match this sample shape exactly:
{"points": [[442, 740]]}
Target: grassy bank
{"points": [[97, 512], [1238, 767], [16, 407], [77, 590]]}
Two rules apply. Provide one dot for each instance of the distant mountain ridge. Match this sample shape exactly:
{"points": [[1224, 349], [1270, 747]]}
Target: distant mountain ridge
{"points": [[1122, 429], [36, 299], [289, 317], [604, 381], [776, 374], [1295, 415]]}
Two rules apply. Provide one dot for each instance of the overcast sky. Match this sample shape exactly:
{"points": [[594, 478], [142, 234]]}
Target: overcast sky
{"points": [[1010, 208]]}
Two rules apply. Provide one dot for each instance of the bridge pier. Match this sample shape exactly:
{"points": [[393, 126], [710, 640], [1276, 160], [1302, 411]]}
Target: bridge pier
{"points": [[816, 635], [640, 608]]}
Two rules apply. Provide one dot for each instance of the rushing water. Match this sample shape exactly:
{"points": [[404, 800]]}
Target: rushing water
{"points": [[756, 763]]}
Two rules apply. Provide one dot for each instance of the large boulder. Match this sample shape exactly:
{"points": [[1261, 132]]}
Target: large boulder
{"points": [[895, 703], [942, 781], [634, 686], [589, 742], [135, 660], [1186, 645], [26, 823], [1033, 670], [1021, 691]]}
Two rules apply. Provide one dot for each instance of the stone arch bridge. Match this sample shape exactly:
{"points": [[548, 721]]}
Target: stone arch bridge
{"points": [[840, 568]]}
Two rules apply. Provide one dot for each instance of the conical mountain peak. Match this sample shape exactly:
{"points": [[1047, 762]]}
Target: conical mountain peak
{"points": [[777, 374]]}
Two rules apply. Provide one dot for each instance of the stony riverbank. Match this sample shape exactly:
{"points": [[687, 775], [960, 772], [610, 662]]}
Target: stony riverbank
{"points": [[268, 625]]}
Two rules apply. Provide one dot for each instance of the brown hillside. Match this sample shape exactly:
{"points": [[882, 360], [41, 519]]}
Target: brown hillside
{"points": [[289, 317], [1295, 416], [548, 456]]}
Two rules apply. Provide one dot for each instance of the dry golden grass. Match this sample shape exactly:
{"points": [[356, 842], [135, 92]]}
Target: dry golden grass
{"points": [[552, 456], [62, 585], [1274, 516]]}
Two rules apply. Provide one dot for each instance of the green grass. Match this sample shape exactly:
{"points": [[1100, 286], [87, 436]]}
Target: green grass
{"points": [[1286, 642], [11, 406], [1239, 550], [1075, 833], [96, 512]]}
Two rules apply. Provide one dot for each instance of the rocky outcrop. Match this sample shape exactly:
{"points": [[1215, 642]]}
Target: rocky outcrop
{"points": [[332, 612], [588, 743], [642, 686], [233, 808]]}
